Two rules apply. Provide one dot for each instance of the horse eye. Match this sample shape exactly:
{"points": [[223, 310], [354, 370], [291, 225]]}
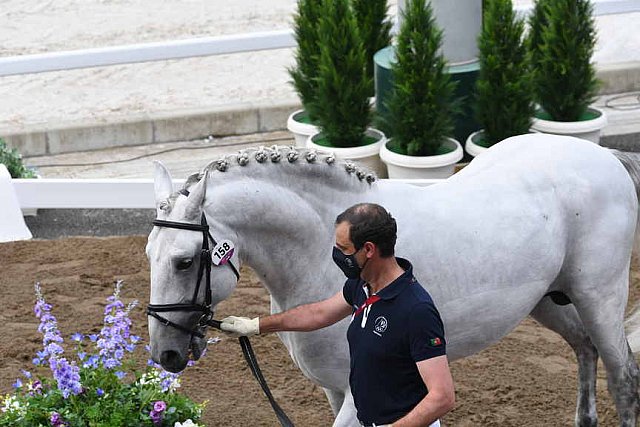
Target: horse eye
{"points": [[184, 264]]}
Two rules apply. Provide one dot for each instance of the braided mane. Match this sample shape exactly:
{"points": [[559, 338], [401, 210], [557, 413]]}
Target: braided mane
{"points": [[252, 160]]}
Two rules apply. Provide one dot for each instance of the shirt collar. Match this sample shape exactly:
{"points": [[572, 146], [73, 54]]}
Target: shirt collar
{"points": [[394, 288]]}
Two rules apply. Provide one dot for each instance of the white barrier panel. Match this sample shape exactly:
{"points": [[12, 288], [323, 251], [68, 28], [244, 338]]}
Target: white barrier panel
{"points": [[102, 193], [12, 226]]}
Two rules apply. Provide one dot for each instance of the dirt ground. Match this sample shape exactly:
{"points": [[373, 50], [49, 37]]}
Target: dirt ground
{"points": [[528, 379]]}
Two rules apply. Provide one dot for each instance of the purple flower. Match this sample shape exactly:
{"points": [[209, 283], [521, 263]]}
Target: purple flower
{"points": [[68, 377], [26, 374], [36, 386], [100, 392], [56, 420], [92, 362], [115, 335], [93, 337], [159, 406], [77, 337], [17, 384], [156, 417], [48, 328], [120, 374]]}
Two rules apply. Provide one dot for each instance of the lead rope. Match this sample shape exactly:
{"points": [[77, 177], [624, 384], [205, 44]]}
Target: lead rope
{"points": [[252, 361]]}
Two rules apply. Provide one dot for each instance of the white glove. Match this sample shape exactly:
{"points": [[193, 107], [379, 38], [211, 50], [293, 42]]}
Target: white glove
{"points": [[240, 326]]}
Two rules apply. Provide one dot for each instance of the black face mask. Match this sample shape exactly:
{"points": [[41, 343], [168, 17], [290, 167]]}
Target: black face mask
{"points": [[347, 263]]}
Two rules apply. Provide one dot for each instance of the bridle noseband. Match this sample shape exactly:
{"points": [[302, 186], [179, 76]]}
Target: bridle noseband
{"points": [[203, 268]]}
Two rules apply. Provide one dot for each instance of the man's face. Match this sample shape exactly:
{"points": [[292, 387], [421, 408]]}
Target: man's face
{"points": [[343, 241]]}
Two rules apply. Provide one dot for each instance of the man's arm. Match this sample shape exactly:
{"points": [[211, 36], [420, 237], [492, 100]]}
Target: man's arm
{"points": [[441, 396], [308, 317]]}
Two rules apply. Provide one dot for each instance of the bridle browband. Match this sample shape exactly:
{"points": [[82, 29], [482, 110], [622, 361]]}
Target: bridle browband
{"points": [[203, 269]]}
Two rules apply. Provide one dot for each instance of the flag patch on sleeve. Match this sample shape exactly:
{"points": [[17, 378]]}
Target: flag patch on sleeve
{"points": [[435, 342]]}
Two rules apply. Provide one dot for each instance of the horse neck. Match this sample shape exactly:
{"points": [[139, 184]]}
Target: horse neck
{"points": [[284, 233]]}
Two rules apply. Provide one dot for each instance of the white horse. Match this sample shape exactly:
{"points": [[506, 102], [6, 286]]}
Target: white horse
{"points": [[535, 219]]}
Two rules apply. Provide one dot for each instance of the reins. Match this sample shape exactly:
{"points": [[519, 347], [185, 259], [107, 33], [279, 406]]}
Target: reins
{"points": [[207, 314]]}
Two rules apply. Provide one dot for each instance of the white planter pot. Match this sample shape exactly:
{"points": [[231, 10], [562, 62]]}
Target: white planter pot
{"points": [[471, 147], [301, 131], [422, 167], [586, 129], [367, 156]]}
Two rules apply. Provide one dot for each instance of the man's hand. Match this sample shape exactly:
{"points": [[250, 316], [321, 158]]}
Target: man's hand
{"points": [[240, 326]]}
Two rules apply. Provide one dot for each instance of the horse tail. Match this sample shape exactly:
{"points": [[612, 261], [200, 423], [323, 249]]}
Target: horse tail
{"points": [[631, 162]]}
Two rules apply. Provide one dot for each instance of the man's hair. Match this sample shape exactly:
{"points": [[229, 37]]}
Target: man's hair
{"points": [[370, 222]]}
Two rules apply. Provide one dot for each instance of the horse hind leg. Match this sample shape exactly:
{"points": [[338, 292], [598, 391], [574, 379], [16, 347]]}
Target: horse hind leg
{"points": [[335, 398], [602, 313], [565, 321], [347, 416]]}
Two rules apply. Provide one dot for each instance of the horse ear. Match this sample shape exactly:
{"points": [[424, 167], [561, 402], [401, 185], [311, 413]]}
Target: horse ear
{"points": [[195, 200], [162, 183]]}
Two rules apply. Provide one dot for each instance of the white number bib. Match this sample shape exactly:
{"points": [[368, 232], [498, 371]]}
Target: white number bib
{"points": [[222, 252]]}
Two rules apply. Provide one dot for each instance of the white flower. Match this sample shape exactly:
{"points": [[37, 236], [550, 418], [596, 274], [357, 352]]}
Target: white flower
{"points": [[187, 423], [11, 404], [149, 378]]}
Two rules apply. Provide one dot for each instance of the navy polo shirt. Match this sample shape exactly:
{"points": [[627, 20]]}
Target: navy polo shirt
{"points": [[385, 341]]}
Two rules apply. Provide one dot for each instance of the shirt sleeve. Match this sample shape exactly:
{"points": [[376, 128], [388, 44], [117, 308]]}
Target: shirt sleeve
{"points": [[348, 290], [426, 333]]}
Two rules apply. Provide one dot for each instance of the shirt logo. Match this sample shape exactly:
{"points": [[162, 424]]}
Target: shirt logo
{"points": [[380, 326], [435, 342]]}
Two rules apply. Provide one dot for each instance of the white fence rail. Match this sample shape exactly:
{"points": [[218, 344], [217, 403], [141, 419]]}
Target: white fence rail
{"points": [[145, 52], [101, 193], [160, 51]]}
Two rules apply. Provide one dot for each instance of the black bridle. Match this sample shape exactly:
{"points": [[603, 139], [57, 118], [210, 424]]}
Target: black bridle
{"points": [[203, 269], [207, 314]]}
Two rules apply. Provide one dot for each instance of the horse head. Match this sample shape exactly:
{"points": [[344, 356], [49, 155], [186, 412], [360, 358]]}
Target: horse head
{"points": [[185, 283]]}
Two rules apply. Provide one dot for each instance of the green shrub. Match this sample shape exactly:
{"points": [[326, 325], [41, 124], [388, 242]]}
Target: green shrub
{"points": [[13, 161], [563, 41], [342, 106], [421, 107], [307, 56], [504, 90], [374, 27]]}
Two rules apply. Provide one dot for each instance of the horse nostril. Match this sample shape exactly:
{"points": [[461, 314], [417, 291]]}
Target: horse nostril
{"points": [[171, 361]]}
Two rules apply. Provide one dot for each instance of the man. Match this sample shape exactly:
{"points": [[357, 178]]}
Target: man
{"points": [[399, 370]]}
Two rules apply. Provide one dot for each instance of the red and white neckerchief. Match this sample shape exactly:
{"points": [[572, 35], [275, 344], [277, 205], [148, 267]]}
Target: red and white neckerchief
{"points": [[365, 308]]}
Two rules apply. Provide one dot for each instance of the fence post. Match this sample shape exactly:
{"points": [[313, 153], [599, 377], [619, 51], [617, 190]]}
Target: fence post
{"points": [[12, 225]]}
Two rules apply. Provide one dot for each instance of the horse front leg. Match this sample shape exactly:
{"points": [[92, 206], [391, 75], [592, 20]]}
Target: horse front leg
{"points": [[565, 321]]}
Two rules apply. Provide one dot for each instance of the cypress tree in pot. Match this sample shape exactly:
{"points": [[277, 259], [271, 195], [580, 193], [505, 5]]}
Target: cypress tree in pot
{"points": [[562, 42], [375, 29], [422, 106], [342, 107], [504, 89], [305, 71]]}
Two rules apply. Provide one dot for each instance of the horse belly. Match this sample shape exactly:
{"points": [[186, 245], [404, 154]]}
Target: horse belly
{"points": [[322, 356]]}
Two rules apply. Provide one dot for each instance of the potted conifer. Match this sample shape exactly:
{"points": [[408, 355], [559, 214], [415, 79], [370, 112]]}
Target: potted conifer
{"points": [[562, 41], [342, 107], [504, 98], [422, 106], [375, 29], [305, 71]]}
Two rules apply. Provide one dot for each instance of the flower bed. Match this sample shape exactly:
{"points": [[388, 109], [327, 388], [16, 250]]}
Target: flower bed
{"points": [[100, 385]]}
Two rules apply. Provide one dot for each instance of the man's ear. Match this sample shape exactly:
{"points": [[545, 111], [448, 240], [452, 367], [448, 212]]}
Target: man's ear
{"points": [[369, 249]]}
